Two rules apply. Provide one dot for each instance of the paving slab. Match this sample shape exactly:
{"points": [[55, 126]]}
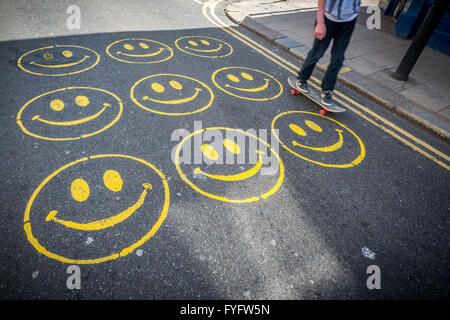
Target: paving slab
{"points": [[288, 43], [445, 113], [364, 66], [385, 76], [262, 30], [426, 96], [389, 58]]}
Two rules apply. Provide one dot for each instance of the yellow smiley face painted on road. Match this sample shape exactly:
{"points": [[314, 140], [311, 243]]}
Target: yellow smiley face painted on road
{"points": [[232, 169], [247, 83], [205, 47], [171, 94], [76, 214], [58, 60], [318, 139], [139, 51], [70, 113]]}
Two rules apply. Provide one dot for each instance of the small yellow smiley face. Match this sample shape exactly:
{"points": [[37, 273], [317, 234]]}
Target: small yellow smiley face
{"points": [[88, 202], [247, 83], [318, 139], [139, 51], [172, 94], [238, 168], [205, 47], [70, 113], [58, 60]]}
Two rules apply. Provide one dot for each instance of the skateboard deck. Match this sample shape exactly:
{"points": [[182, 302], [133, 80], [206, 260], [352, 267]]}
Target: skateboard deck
{"points": [[314, 95]]}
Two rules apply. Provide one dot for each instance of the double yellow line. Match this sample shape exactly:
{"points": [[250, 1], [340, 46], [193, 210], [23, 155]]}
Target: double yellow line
{"points": [[208, 11]]}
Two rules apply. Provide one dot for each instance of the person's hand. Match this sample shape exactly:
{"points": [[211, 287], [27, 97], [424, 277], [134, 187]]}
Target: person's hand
{"points": [[320, 31]]}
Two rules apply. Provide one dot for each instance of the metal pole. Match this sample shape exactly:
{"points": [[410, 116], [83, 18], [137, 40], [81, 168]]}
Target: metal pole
{"points": [[420, 41]]}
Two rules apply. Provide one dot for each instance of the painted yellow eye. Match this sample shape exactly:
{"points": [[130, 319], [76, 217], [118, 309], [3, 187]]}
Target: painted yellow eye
{"points": [[233, 78], [206, 43], [231, 146], [158, 87], [47, 55], [176, 85], [112, 180], [67, 53], [297, 130], [193, 43], [57, 105], [143, 45], [313, 126], [82, 101], [209, 152], [245, 75], [128, 46], [79, 190]]}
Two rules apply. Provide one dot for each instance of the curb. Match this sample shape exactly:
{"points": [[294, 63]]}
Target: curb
{"points": [[299, 50]]}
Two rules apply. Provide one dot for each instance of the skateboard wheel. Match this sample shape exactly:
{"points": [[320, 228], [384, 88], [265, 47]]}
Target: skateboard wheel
{"points": [[323, 112], [293, 92]]}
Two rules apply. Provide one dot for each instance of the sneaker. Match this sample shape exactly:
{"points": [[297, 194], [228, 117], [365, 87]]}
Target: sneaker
{"points": [[302, 85], [327, 97]]}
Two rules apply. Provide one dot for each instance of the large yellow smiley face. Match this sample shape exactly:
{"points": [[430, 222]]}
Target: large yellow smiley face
{"points": [[171, 94], [76, 213], [135, 50], [232, 169], [70, 113], [247, 83], [58, 60], [318, 139], [205, 47]]}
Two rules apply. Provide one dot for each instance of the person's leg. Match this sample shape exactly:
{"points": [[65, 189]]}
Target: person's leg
{"points": [[340, 44], [317, 52]]}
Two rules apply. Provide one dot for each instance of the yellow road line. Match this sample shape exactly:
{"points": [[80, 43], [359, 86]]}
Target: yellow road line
{"points": [[211, 5]]}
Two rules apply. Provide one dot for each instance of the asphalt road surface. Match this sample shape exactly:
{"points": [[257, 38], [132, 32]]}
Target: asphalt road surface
{"points": [[108, 137]]}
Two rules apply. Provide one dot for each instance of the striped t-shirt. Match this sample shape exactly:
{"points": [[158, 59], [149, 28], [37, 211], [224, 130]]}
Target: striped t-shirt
{"points": [[342, 10]]}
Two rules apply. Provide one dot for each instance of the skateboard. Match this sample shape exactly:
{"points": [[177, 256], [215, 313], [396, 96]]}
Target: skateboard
{"points": [[314, 95]]}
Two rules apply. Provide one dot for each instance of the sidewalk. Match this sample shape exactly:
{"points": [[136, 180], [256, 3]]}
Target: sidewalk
{"points": [[371, 58]]}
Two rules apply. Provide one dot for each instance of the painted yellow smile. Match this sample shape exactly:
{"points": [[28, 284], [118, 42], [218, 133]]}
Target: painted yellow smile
{"points": [[235, 177], [74, 122], [261, 88], [178, 101], [141, 55], [331, 148], [206, 51], [60, 65], [105, 223]]}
